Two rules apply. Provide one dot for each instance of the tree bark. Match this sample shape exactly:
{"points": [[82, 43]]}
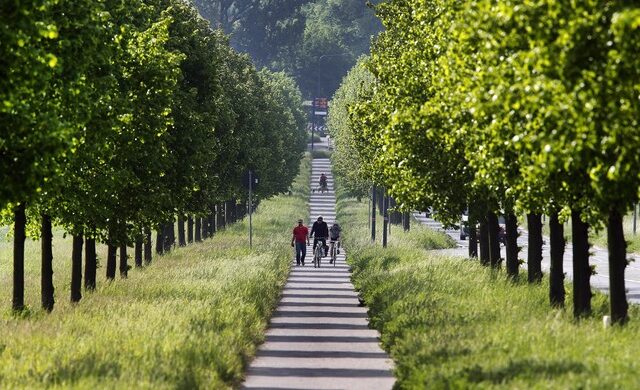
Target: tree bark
{"points": [[212, 225], [124, 267], [190, 229], [617, 264], [556, 272], [534, 255], [90, 264], [205, 228], [169, 236], [76, 268], [198, 229], [160, 240], [473, 241], [138, 252], [46, 281], [581, 268], [406, 222], [484, 242], [511, 227], [19, 236], [148, 255], [182, 240], [494, 239], [111, 260]]}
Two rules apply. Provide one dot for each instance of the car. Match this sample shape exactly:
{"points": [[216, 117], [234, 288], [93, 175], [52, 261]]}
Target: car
{"points": [[464, 225]]}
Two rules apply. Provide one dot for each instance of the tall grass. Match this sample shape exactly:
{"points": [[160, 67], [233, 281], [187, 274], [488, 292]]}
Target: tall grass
{"points": [[191, 319], [451, 323]]}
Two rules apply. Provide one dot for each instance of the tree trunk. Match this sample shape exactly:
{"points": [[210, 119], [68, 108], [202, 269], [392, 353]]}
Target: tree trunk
{"points": [[374, 194], [494, 239], [406, 223], [182, 239], [534, 255], [111, 260], [581, 268], [46, 281], [138, 252], [19, 236], [160, 240], [190, 229], [147, 246], [169, 236], [556, 272], [212, 225], [198, 229], [76, 269], [511, 227], [617, 264], [484, 242], [473, 241], [124, 267], [90, 264], [205, 228]]}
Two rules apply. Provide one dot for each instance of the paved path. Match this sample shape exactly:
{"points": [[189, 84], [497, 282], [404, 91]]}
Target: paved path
{"points": [[599, 258], [319, 337]]}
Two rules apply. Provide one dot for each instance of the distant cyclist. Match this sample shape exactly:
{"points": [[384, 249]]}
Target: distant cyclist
{"points": [[323, 182], [321, 231]]}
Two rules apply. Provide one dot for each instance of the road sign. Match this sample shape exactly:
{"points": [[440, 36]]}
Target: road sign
{"points": [[250, 177], [320, 102]]}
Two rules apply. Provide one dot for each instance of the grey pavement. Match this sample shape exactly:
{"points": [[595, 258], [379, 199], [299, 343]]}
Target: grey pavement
{"points": [[319, 337], [599, 259]]}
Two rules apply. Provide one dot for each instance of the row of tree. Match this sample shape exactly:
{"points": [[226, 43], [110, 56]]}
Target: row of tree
{"points": [[117, 117], [504, 107]]}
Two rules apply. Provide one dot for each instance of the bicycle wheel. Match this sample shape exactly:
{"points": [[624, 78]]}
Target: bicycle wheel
{"points": [[334, 256]]}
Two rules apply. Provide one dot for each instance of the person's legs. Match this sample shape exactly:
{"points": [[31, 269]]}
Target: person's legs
{"points": [[325, 247], [303, 249], [297, 254], [300, 252]]}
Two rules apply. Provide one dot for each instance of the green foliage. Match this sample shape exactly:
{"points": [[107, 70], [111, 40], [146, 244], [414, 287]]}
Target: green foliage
{"points": [[450, 323], [192, 319], [346, 160]]}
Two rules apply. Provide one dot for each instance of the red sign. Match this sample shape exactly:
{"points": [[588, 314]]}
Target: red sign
{"points": [[320, 102]]}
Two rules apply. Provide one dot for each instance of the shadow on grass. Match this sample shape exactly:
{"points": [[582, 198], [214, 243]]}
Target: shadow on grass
{"points": [[520, 368]]}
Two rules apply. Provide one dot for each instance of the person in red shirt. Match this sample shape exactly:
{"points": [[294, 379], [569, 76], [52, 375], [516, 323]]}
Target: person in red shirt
{"points": [[301, 240]]}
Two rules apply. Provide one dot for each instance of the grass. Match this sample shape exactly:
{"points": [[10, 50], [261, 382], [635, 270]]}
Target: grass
{"points": [[599, 237], [321, 153], [191, 319], [451, 323]]}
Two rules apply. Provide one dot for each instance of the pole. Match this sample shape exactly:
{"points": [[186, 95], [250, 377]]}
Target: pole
{"points": [[635, 216], [373, 213], [250, 210], [369, 212], [385, 216]]}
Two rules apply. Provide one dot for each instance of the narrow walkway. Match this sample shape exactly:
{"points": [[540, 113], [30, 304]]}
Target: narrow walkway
{"points": [[319, 337]]}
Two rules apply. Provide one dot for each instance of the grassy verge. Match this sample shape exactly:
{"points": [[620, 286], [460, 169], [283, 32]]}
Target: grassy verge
{"points": [[321, 154], [450, 323], [191, 319]]}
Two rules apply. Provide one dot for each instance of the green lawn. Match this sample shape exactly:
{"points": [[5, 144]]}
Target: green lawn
{"points": [[451, 323], [191, 319]]}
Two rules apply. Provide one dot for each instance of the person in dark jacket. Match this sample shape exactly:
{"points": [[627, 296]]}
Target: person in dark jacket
{"points": [[321, 231]]}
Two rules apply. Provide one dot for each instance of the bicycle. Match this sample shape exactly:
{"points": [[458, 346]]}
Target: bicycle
{"points": [[318, 254], [334, 251], [321, 189]]}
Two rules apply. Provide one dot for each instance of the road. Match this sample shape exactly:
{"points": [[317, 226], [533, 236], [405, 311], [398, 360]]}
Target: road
{"points": [[599, 259]]}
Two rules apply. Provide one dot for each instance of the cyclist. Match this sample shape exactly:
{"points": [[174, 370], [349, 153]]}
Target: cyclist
{"points": [[334, 237], [321, 231], [301, 240], [323, 181]]}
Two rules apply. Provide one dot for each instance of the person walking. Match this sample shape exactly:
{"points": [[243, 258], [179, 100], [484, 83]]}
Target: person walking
{"points": [[300, 240], [321, 231]]}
